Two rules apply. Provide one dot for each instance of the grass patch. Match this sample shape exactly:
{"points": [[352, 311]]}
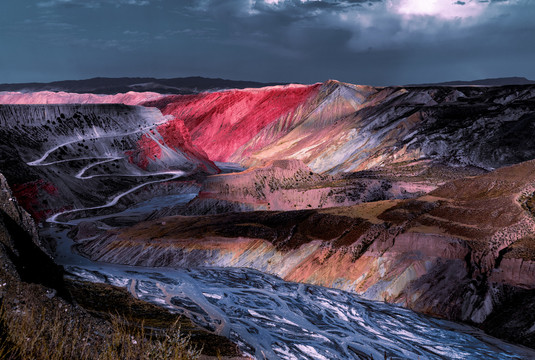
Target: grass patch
{"points": [[28, 333]]}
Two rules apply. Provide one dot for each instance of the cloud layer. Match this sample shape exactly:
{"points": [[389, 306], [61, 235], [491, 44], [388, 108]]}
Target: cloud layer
{"points": [[90, 4], [362, 41]]}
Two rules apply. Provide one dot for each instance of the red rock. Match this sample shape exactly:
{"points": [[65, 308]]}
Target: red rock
{"points": [[29, 195], [175, 136]]}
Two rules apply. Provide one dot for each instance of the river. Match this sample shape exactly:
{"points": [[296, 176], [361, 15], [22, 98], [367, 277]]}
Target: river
{"points": [[270, 318]]}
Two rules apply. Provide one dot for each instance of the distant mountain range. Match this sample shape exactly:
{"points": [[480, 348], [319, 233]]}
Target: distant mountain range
{"points": [[102, 85], [195, 84], [483, 82]]}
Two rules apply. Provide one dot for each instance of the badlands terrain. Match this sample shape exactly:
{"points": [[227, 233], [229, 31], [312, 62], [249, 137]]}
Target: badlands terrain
{"points": [[299, 221]]}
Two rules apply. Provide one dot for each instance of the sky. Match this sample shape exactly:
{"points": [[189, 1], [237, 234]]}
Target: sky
{"points": [[375, 42]]}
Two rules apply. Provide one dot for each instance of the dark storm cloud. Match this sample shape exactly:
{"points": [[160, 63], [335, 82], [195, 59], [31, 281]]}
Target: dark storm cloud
{"points": [[90, 3], [376, 42]]}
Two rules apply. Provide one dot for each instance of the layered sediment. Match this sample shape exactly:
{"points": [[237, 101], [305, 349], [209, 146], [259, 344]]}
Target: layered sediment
{"points": [[391, 192]]}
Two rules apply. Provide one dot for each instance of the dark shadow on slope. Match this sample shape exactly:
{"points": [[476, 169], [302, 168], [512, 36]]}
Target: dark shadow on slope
{"points": [[32, 264]]}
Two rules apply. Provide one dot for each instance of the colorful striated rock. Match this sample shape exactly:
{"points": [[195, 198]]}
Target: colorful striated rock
{"points": [[221, 122], [91, 153]]}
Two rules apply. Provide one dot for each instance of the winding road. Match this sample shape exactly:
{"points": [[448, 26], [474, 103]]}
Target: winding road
{"points": [[169, 175]]}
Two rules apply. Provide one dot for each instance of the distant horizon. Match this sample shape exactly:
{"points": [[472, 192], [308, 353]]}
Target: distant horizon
{"points": [[454, 81]]}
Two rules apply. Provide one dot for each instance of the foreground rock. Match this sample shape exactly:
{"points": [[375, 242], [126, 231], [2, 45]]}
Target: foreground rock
{"points": [[463, 252]]}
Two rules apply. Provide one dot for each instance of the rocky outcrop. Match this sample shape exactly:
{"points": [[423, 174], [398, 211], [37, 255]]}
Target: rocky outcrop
{"points": [[23, 257], [460, 252]]}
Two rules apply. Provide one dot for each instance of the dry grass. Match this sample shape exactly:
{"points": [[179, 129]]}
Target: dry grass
{"points": [[29, 334], [368, 211]]}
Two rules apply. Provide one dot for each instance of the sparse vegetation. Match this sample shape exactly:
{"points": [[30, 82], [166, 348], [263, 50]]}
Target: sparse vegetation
{"points": [[27, 333]]}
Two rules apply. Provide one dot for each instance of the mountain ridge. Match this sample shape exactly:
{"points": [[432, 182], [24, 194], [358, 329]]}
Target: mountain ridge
{"points": [[111, 86], [197, 84], [501, 81]]}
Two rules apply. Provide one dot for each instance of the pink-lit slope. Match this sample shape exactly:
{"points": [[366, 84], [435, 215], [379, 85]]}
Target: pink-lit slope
{"points": [[49, 97], [170, 136], [221, 122]]}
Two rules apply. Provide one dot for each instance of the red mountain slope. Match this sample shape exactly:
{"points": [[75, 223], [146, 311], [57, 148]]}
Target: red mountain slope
{"points": [[221, 122], [169, 143], [170, 139]]}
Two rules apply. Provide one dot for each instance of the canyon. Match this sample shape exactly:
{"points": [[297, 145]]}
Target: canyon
{"points": [[419, 196], [459, 252]]}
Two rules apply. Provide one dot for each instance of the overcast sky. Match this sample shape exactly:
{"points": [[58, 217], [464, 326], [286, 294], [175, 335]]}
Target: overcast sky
{"points": [[377, 42]]}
